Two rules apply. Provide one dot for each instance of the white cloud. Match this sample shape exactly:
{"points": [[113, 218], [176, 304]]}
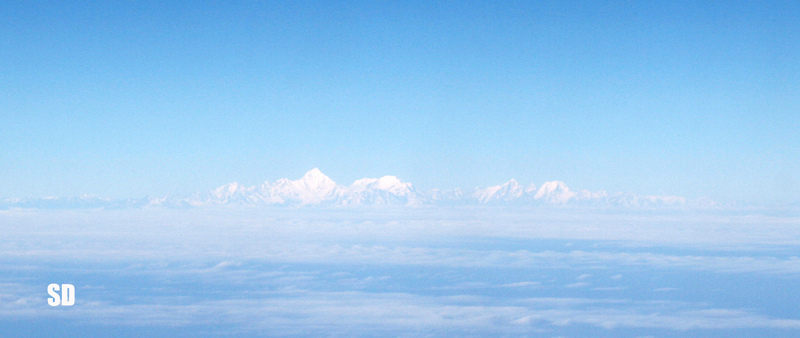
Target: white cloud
{"points": [[578, 285], [521, 284], [257, 251], [612, 288], [365, 313], [664, 289]]}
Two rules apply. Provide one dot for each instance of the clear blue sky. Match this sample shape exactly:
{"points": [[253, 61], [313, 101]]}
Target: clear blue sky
{"points": [[127, 99]]}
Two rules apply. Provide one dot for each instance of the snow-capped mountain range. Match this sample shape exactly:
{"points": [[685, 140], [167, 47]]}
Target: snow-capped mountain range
{"points": [[314, 188], [317, 189]]}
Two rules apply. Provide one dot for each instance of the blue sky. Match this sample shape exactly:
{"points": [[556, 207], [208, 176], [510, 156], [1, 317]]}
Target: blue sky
{"points": [[148, 98]]}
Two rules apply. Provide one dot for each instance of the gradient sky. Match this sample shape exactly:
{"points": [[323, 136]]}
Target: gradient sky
{"points": [[128, 99]]}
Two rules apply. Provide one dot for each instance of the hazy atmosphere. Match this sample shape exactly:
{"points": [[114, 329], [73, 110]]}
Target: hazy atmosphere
{"points": [[449, 168]]}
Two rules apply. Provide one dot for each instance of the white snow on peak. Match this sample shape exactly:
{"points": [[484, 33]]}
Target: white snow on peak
{"points": [[554, 192], [230, 191], [314, 178], [508, 191], [386, 183], [387, 190], [363, 183], [315, 188], [392, 183]]}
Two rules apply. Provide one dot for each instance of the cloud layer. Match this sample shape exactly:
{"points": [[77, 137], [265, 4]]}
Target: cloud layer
{"points": [[440, 271]]}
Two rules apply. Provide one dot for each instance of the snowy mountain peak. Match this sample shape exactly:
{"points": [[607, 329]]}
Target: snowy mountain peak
{"points": [[363, 183], [230, 187], [389, 182], [229, 190], [554, 192], [314, 178], [315, 188], [387, 190], [508, 191], [512, 186], [552, 186]]}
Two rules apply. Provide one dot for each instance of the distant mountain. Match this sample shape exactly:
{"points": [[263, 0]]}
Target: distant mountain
{"points": [[82, 202], [510, 191], [314, 188], [387, 190], [317, 189]]}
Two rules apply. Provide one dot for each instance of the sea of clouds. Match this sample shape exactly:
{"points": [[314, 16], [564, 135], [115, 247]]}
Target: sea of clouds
{"points": [[439, 271]]}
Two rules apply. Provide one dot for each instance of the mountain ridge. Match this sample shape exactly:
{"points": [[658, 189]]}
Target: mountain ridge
{"points": [[317, 189]]}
